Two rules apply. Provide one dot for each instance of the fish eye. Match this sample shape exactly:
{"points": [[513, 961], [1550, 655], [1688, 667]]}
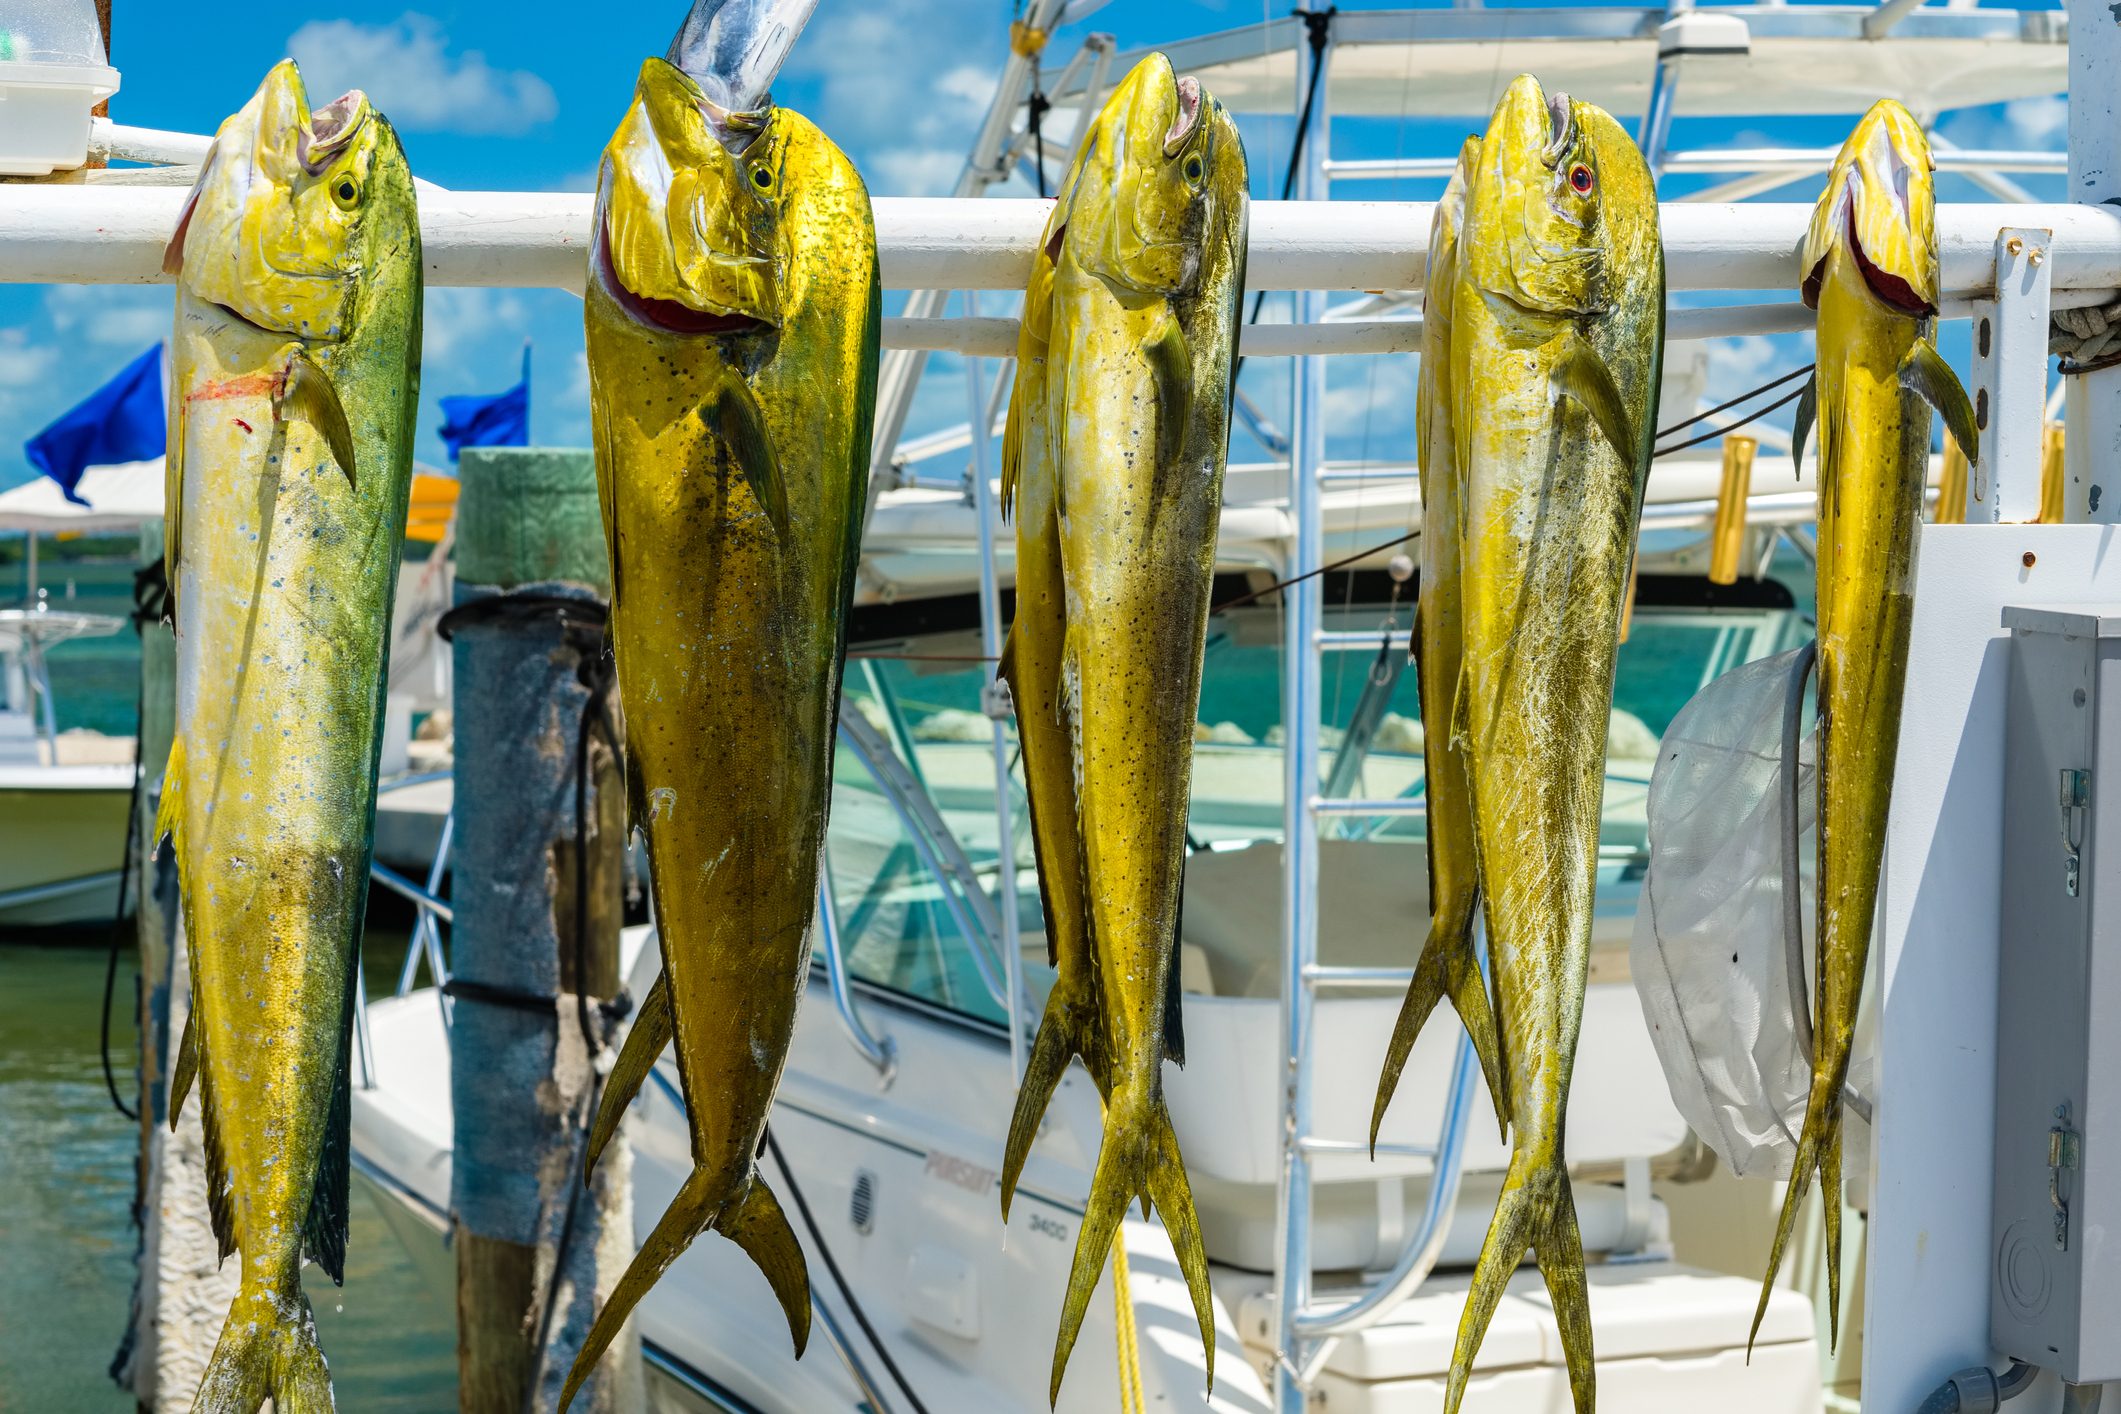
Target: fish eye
{"points": [[345, 193], [761, 178], [1193, 168], [1580, 179]]}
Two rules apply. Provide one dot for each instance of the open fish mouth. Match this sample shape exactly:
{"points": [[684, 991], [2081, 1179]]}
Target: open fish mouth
{"points": [[1561, 129], [330, 129], [1890, 290], [1187, 120], [1888, 287], [669, 314]]}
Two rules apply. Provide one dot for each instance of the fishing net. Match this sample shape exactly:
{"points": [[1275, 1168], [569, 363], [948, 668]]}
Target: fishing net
{"points": [[1710, 953]]}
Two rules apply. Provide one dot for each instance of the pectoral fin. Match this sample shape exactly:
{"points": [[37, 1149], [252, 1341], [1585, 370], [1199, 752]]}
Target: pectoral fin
{"points": [[1801, 430], [1582, 375], [732, 414], [1171, 367], [1925, 373], [305, 391]]}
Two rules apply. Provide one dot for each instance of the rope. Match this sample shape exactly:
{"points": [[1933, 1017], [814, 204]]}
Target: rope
{"points": [[1130, 1356], [150, 605], [2087, 339], [1728, 428]]}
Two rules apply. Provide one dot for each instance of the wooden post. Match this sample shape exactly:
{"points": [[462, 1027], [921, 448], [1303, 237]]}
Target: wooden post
{"points": [[182, 1290], [528, 530]]}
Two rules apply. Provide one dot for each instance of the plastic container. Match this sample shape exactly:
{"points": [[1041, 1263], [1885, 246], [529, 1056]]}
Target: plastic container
{"points": [[53, 71]]}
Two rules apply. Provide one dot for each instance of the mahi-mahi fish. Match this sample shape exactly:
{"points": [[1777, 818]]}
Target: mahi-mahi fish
{"points": [[295, 372], [1870, 269], [733, 321], [1447, 966], [1557, 340], [1112, 466]]}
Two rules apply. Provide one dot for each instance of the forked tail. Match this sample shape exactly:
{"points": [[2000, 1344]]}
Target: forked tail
{"points": [[268, 1350], [1537, 1210], [1067, 1030], [1818, 1147], [752, 1219], [1447, 968], [1139, 1158]]}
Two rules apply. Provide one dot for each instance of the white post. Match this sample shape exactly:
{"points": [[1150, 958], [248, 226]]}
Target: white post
{"points": [[996, 704], [2010, 377], [2092, 452], [1300, 737]]}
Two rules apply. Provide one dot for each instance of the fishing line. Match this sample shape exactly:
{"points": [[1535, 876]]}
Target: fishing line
{"points": [[1265, 590], [1714, 433], [1663, 432], [1320, 26], [150, 605], [861, 1317]]}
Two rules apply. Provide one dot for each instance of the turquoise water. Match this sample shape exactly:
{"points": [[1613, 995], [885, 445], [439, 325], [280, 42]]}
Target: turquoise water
{"points": [[95, 680], [66, 1240]]}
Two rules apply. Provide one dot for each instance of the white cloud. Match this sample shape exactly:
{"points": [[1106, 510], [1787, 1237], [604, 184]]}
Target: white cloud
{"points": [[410, 73], [456, 321], [878, 78], [22, 363], [2037, 122], [111, 315]]}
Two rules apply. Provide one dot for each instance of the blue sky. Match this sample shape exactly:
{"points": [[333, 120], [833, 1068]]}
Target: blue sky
{"points": [[523, 96]]}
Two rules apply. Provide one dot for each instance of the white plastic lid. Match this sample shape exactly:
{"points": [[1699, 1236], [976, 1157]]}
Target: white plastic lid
{"points": [[51, 32]]}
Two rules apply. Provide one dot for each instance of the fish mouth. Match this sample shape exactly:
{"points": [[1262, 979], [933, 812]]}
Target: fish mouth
{"points": [[1561, 129], [330, 129], [671, 316], [1187, 121], [1890, 290]]}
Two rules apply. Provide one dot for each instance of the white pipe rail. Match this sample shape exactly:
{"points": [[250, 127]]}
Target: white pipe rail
{"points": [[108, 234]]}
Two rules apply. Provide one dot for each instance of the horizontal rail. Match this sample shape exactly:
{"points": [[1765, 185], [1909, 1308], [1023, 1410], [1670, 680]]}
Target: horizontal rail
{"points": [[1311, 1145], [1358, 979], [1331, 805], [115, 234], [1791, 160], [398, 884], [1359, 640]]}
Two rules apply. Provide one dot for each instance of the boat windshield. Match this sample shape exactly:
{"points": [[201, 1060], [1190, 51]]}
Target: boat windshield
{"points": [[900, 930]]}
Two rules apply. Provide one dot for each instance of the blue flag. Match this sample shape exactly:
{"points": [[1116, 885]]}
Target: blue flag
{"points": [[122, 421], [489, 419]]}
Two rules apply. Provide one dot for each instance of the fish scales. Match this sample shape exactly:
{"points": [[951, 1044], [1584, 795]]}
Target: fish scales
{"points": [[295, 375], [1447, 965], [1870, 270], [732, 316], [1557, 340], [1113, 465]]}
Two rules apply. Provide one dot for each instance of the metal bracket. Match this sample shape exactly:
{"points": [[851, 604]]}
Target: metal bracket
{"points": [[2010, 377], [2076, 805], [2064, 1147]]}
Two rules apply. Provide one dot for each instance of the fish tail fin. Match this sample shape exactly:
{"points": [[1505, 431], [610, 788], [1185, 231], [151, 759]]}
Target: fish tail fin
{"points": [[1447, 969], [645, 1040], [1536, 1211], [170, 812], [1818, 1148], [1065, 1031], [1139, 1156], [267, 1350], [754, 1221]]}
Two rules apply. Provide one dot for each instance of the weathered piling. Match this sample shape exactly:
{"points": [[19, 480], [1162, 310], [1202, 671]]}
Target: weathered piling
{"points": [[182, 1290], [535, 959]]}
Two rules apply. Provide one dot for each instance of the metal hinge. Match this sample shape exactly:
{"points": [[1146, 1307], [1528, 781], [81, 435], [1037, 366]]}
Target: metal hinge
{"points": [[2076, 802], [2064, 1147]]}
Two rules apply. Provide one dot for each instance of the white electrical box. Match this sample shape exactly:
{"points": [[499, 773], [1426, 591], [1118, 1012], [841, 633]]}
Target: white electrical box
{"points": [[53, 71], [2055, 1286]]}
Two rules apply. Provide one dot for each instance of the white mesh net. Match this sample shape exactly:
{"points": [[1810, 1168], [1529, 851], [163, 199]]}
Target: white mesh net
{"points": [[1710, 957]]}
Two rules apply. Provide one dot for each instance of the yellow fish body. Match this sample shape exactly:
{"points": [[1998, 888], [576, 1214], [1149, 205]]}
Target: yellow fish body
{"points": [[1557, 340], [295, 373], [1870, 269], [732, 321], [1113, 464], [1447, 966]]}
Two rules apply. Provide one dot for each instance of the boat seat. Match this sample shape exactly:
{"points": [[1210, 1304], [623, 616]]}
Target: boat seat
{"points": [[1373, 911]]}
